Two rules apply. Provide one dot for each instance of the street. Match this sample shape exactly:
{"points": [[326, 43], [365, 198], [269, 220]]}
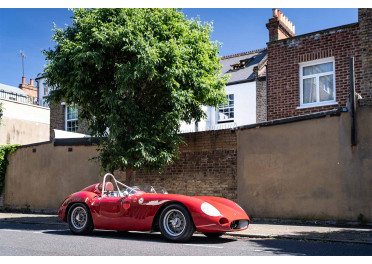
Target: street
{"points": [[32, 239]]}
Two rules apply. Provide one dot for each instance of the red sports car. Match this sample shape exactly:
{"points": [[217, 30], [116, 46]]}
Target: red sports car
{"points": [[112, 205]]}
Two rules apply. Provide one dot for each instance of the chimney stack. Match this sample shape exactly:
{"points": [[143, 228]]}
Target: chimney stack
{"points": [[279, 26], [29, 89]]}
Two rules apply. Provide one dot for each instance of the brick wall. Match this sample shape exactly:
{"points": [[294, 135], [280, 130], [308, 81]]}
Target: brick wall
{"points": [[206, 166], [261, 101], [285, 55], [83, 124], [57, 120], [365, 35]]}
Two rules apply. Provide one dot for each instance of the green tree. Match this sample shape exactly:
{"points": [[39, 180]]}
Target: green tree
{"points": [[137, 73]]}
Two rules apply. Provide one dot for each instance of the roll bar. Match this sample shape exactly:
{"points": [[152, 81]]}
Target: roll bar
{"points": [[116, 183]]}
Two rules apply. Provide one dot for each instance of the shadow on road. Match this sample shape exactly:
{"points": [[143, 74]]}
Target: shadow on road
{"points": [[146, 236], [50, 219], [310, 248], [137, 236]]}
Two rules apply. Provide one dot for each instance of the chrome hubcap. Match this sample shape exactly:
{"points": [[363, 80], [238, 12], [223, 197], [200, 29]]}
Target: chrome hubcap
{"points": [[79, 217], [174, 222]]}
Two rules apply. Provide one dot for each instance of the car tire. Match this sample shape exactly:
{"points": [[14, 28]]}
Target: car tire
{"points": [[213, 234], [79, 219], [176, 224]]}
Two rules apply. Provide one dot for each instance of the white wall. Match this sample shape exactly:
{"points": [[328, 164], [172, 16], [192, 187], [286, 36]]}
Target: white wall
{"points": [[244, 110], [23, 123], [23, 111]]}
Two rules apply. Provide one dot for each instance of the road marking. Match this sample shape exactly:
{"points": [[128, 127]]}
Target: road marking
{"points": [[201, 246]]}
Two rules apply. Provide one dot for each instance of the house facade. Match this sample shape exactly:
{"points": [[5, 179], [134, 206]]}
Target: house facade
{"points": [[245, 91], [42, 90], [310, 73]]}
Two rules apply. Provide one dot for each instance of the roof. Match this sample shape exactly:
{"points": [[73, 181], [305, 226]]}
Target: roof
{"points": [[245, 73], [40, 76], [11, 89]]}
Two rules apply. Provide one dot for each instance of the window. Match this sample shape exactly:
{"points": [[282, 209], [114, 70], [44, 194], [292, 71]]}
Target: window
{"points": [[46, 89], [317, 83], [226, 111], [72, 118]]}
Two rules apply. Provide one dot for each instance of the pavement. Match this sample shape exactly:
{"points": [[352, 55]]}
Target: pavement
{"points": [[358, 235]]}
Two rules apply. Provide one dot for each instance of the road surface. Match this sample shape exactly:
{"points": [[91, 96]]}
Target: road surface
{"points": [[31, 239]]}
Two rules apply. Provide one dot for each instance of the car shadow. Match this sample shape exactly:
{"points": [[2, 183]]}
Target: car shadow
{"points": [[309, 248], [63, 230], [47, 219], [146, 236]]}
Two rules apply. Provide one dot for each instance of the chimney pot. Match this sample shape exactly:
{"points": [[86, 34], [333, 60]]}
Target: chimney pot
{"points": [[32, 82], [275, 12], [23, 79]]}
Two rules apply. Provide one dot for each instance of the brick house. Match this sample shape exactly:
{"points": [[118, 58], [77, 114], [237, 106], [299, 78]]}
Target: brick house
{"points": [[246, 92], [310, 73]]}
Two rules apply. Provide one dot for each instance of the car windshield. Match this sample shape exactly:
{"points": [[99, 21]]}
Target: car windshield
{"points": [[112, 187], [145, 188]]}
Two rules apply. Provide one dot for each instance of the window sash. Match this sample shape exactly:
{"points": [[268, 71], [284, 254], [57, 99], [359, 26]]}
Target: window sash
{"points": [[226, 111], [71, 118], [317, 84]]}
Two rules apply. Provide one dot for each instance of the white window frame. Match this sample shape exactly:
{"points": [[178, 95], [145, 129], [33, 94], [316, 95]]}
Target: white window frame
{"points": [[311, 63], [223, 107], [66, 116]]}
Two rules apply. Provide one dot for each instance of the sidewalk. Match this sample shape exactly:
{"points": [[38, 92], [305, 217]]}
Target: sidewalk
{"points": [[256, 230], [358, 235]]}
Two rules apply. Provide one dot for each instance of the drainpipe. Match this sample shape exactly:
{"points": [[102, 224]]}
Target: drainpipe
{"points": [[352, 104]]}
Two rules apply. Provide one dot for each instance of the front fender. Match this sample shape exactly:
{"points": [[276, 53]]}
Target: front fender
{"points": [[79, 197]]}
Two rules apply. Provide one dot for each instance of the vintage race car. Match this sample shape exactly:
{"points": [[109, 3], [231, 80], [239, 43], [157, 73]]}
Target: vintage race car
{"points": [[112, 205]]}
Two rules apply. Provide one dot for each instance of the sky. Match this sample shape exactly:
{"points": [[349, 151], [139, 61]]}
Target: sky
{"points": [[238, 29]]}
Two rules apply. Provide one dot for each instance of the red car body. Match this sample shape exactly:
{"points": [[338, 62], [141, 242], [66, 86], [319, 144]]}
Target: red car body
{"points": [[140, 211]]}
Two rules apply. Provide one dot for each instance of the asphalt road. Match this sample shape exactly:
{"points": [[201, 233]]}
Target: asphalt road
{"points": [[31, 239]]}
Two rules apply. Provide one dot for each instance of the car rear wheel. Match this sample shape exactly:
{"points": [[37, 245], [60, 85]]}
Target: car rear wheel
{"points": [[213, 234], [79, 219], [176, 224]]}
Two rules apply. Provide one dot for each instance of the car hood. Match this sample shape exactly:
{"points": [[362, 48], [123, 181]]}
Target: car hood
{"points": [[226, 207]]}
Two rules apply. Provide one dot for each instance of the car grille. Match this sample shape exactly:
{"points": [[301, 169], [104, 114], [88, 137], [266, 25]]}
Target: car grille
{"points": [[239, 224]]}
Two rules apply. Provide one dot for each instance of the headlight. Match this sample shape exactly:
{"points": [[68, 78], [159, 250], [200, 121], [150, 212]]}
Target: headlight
{"points": [[209, 209]]}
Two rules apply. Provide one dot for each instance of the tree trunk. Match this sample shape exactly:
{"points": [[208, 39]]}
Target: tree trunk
{"points": [[130, 176]]}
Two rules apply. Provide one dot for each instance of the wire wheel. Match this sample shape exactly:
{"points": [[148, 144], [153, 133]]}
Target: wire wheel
{"points": [[174, 222], [79, 217]]}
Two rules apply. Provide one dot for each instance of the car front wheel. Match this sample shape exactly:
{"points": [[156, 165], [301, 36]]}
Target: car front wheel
{"points": [[79, 219], [176, 223]]}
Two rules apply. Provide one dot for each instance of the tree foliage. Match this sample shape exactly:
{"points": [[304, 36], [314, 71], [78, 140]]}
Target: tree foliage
{"points": [[4, 152], [136, 73]]}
